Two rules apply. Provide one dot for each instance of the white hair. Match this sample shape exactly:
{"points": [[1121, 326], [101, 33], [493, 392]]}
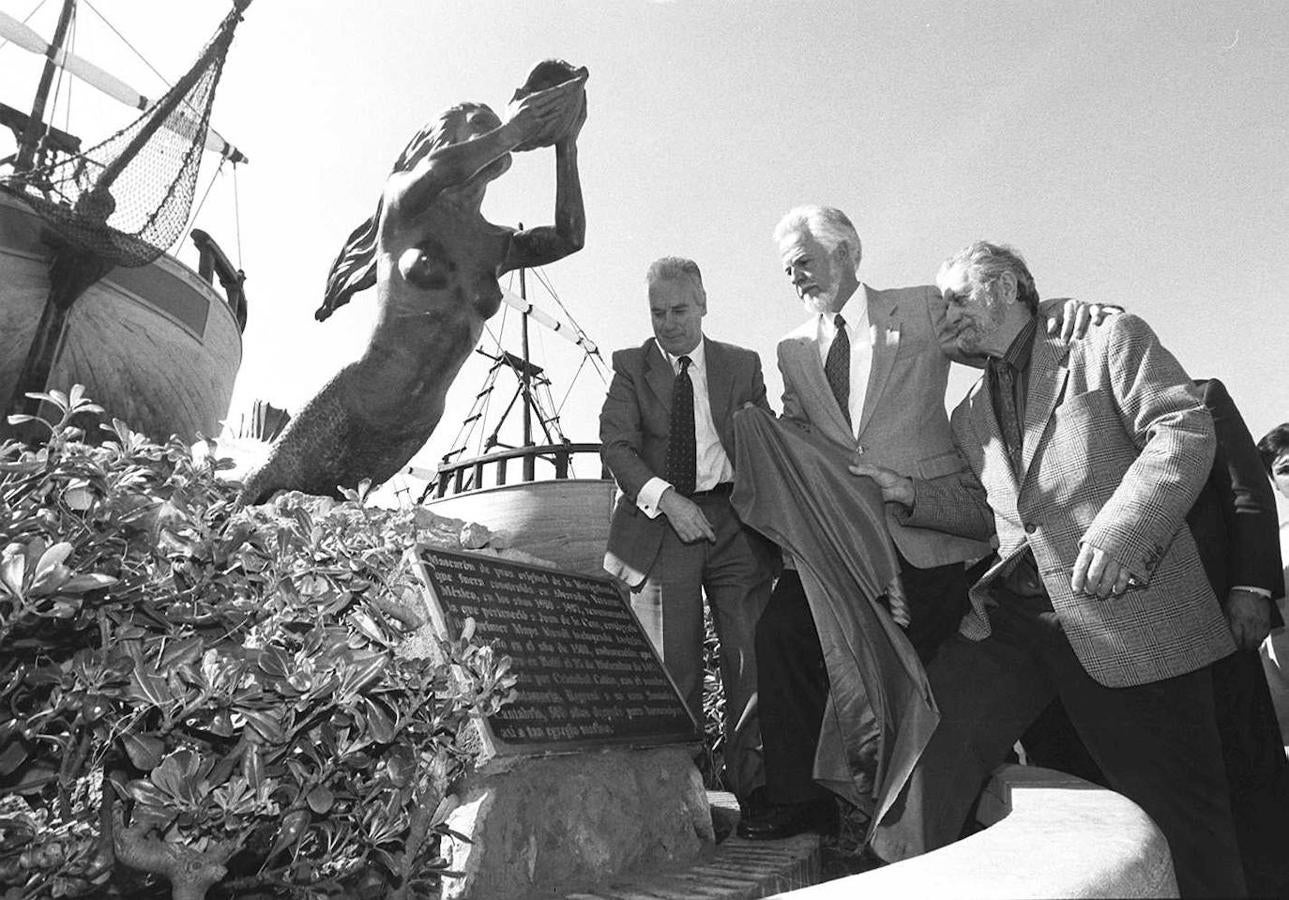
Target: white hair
{"points": [[827, 224], [676, 268]]}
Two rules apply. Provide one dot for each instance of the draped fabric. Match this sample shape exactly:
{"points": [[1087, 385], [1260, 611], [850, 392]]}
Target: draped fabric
{"points": [[794, 487]]}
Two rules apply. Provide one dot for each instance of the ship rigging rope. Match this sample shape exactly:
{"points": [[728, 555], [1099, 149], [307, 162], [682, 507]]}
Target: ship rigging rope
{"points": [[143, 59], [35, 9], [237, 215], [127, 199], [192, 218], [58, 84], [590, 345]]}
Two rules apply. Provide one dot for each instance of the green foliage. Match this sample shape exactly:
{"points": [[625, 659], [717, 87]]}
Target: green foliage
{"points": [[189, 687], [712, 761]]}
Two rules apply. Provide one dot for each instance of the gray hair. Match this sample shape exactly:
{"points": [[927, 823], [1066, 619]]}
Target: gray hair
{"points": [[827, 224], [1274, 443], [675, 268], [984, 263]]}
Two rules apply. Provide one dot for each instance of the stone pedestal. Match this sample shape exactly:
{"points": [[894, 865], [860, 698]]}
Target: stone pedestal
{"points": [[540, 824]]}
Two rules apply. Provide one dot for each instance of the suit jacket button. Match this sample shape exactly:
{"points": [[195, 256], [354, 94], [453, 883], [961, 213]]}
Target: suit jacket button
{"points": [[859, 449], [1030, 528]]}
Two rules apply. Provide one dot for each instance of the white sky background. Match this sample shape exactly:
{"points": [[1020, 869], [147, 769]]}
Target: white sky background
{"points": [[1134, 152]]}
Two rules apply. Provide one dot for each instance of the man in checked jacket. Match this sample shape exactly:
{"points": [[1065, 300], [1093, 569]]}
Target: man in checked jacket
{"points": [[1084, 460]]}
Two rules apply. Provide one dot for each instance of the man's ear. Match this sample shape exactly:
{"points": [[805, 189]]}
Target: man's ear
{"points": [[842, 255], [1007, 287]]}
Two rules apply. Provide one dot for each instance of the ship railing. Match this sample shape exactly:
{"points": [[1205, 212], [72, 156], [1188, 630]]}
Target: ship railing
{"points": [[469, 474], [213, 262]]}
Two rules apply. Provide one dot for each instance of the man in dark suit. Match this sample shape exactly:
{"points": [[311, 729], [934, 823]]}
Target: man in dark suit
{"points": [[667, 431], [1237, 533], [1085, 460]]}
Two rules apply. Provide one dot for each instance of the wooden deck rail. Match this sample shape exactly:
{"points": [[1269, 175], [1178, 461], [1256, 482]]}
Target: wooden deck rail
{"points": [[468, 474]]}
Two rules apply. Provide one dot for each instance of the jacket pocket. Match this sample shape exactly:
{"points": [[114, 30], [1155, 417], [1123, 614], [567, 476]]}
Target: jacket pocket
{"points": [[941, 464], [912, 347], [1093, 405]]}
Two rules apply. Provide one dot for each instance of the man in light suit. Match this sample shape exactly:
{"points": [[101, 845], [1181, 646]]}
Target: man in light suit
{"points": [[868, 371], [673, 535], [1085, 460], [873, 387]]}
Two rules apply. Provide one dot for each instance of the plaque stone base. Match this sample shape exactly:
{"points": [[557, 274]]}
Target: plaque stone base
{"points": [[540, 824]]}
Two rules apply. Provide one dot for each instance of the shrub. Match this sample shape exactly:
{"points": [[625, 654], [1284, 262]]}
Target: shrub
{"points": [[198, 696]]}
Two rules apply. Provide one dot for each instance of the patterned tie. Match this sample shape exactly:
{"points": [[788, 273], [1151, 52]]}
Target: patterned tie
{"points": [[1007, 412], [681, 444], [837, 367]]}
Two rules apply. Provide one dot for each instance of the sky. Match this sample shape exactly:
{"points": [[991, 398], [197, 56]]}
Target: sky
{"points": [[1135, 152]]}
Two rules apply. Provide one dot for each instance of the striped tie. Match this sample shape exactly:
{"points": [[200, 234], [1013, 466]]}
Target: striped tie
{"points": [[682, 447], [837, 367]]}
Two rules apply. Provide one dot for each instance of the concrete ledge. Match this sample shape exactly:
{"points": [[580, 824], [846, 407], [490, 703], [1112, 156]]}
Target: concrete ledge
{"points": [[1048, 834]]}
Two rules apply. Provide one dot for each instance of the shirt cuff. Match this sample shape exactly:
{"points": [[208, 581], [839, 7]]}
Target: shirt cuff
{"points": [[649, 495], [1261, 592]]}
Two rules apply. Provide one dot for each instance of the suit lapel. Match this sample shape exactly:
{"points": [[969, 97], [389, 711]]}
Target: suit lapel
{"points": [[658, 374], [1048, 372], [814, 384], [720, 390], [884, 334], [985, 421]]}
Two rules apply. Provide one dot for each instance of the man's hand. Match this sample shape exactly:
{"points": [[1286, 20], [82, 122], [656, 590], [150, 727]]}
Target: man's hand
{"points": [[895, 487], [1076, 317], [686, 519], [1099, 574], [1249, 617]]}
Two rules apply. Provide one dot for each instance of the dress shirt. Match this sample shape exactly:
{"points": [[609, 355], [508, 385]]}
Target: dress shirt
{"points": [[1023, 578], [861, 350], [713, 464]]}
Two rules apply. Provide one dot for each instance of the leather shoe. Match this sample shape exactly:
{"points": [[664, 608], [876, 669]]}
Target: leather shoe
{"points": [[774, 823]]}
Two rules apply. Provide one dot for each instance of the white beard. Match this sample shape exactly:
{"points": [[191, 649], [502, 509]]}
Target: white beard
{"points": [[821, 304]]}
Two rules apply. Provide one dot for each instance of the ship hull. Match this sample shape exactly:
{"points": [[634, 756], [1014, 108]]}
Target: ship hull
{"points": [[564, 521], [155, 346]]}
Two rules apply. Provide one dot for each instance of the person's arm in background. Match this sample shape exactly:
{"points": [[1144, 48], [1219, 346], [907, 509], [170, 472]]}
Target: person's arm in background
{"points": [[1251, 526]]}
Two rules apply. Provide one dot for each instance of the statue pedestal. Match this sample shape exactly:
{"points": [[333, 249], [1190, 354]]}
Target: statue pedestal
{"points": [[538, 824]]}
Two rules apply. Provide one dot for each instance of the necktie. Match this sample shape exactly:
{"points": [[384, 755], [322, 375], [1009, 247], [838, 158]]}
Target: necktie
{"points": [[1007, 412], [837, 367], [681, 445]]}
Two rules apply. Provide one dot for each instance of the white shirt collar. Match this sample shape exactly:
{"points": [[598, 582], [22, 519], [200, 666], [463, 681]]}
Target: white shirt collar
{"points": [[697, 357], [855, 312]]}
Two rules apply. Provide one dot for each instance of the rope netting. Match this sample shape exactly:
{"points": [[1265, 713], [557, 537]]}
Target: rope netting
{"points": [[127, 199]]}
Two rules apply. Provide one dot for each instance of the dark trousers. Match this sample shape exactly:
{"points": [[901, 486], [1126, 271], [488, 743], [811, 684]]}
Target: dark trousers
{"points": [[1157, 744], [734, 575], [1256, 769], [793, 680]]}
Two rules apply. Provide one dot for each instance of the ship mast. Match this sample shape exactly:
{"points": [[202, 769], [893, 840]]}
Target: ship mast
{"points": [[85, 246], [525, 377], [35, 130]]}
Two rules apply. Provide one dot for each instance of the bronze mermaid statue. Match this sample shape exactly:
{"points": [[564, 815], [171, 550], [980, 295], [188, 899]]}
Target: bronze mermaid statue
{"points": [[435, 262]]}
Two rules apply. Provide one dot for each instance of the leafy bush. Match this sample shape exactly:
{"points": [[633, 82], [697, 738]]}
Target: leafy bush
{"points": [[199, 697], [711, 763]]}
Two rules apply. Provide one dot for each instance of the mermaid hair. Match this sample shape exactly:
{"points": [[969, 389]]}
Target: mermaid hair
{"points": [[354, 268]]}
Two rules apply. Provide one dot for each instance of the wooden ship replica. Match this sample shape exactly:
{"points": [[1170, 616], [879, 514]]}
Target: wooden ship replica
{"points": [[551, 497], [87, 292]]}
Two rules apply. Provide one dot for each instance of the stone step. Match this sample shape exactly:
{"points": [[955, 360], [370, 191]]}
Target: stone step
{"points": [[736, 869]]}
